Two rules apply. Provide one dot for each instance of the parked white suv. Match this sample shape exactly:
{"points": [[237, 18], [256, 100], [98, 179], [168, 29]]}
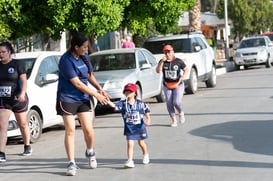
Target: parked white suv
{"points": [[196, 53]]}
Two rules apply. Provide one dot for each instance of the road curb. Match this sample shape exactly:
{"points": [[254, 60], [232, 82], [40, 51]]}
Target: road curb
{"points": [[227, 66]]}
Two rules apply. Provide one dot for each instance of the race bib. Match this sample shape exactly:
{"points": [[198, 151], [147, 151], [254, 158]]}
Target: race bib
{"points": [[171, 74], [5, 91], [133, 117]]}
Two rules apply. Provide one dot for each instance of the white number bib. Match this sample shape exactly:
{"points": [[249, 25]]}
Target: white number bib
{"points": [[133, 117], [5, 91], [171, 74]]}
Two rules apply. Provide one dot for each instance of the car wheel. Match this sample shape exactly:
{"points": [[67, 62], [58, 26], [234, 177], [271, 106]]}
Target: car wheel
{"points": [[161, 96], [268, 63], [139, 92], [35, 125], [193, 82], [211, 82]]}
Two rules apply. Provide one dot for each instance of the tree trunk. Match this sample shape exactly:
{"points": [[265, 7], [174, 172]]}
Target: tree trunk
{"points": [[195, 17]]}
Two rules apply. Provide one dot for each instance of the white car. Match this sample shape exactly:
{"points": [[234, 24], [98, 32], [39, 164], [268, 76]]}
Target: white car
{"points": [[42, 73], [254, 51], [196, 53]]}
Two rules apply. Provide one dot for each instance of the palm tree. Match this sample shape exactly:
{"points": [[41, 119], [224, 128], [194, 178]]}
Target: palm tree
{"points": [[195, 17]]}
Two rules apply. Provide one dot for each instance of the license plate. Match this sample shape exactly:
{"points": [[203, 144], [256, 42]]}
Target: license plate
{"points": [[250, 61]]}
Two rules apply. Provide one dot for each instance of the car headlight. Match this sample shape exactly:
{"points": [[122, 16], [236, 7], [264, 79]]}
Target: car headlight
{"points": [[237, 54], [262, 52], [112, 85]]}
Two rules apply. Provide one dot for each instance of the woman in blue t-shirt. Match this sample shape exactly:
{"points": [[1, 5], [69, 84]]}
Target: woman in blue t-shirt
{"points": [[75, 71]]}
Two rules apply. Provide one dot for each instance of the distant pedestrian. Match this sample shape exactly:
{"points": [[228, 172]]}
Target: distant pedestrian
{"points": [[128, 43], [73, 98], [136, 116], [174, 73], [96, 46], [13, 98]]}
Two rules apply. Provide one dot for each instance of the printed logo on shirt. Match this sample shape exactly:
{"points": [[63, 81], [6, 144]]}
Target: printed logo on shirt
{"points": [[11, 70]]}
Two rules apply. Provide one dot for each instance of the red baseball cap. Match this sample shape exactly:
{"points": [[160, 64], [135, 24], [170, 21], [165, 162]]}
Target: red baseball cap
{"points": [[131, 87], [167, 48]]}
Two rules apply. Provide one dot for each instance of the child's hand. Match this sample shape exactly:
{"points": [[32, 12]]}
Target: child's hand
{"points": [[147, 121], [111, 104]]}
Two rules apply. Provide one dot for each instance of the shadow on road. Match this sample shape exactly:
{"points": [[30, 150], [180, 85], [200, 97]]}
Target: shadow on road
{"points": [[253, 136]]}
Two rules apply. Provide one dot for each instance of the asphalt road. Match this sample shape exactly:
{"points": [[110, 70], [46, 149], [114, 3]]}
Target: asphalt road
{"points": [[227, 136]]}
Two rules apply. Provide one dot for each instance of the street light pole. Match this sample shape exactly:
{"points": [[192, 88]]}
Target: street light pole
{"points": [[226, 31]]}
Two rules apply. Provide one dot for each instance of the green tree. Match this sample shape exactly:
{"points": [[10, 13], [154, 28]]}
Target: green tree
{"points": [[9, 12], [23, 18], [248, 17], [162, 15]]}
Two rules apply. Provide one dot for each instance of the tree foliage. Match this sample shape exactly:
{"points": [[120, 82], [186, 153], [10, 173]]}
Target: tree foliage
{"points": [[9, 12], [23, 18], [162, 14], [248, 16]]}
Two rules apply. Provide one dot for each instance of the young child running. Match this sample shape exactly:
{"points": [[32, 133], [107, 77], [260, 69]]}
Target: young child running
{"points": [[136, 116]]}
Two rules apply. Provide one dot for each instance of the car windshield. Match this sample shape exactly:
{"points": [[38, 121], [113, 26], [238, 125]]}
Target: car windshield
{"points": [[255, 42], [270, 37], [179, 45], [109, 62], [28, 62]]}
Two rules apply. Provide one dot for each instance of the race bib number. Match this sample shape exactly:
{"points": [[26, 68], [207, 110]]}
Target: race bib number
{"points": [[171, 74], [5, 91], [133, 117]]}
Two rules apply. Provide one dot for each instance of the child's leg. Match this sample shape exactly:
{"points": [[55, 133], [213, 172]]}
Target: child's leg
{"points": [[130, 149], [143, 147]]}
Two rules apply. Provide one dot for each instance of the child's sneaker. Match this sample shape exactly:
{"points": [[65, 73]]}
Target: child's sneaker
{"points": [[146, 159], [27, 150], [2, 157], [129, 164], [71, 169], [92, 162]]}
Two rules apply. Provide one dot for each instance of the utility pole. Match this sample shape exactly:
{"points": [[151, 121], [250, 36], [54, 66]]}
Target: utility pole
{"points": [[226, 32]]}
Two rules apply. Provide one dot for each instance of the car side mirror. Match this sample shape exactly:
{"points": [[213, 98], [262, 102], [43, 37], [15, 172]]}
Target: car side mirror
{"points": [[145, 66], [49, 78], [197, 48]]}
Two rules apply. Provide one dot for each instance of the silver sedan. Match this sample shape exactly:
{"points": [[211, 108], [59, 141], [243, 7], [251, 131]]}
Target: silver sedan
{"points": [[116, 67]]}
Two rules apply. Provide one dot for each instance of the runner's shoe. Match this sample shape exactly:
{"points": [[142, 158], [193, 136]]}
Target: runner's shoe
{"points": [[71, 169], [182, 118], [129, 164], [27, 150], [2, 157], [92, 162], [174, 124]]}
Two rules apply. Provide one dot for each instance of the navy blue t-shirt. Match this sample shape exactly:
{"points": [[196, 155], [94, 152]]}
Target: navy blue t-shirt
{"points": [[133, 116], [69, 67], [172, 71]]}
